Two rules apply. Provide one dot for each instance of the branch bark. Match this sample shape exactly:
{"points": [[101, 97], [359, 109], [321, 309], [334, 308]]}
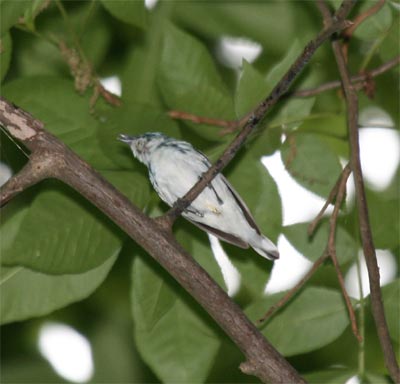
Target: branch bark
{"points": [[362, 207]]}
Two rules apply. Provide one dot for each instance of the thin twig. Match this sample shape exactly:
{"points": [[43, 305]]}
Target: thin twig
{"points": [[329, 200], [338, 193], [275, 307], [347, 33], [229, 124], [260, 112], [354, 79], [35, 170], [233, 125], [341, 191], [365, 228]]}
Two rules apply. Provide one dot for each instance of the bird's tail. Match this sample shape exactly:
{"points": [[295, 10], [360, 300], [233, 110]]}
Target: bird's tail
{"points": [[265, 247]]}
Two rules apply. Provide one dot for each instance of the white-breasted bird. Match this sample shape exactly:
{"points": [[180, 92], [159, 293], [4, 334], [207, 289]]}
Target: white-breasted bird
{"points": [[174, 167]]}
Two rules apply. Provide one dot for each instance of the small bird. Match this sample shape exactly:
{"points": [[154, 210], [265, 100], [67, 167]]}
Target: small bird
{"points": [[174, 167]]}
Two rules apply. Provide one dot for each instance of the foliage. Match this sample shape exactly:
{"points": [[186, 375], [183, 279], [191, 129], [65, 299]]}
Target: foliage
{"points": [[57, 248]]}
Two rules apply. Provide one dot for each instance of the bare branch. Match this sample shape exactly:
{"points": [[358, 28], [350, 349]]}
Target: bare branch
{"points": [[329, 200], [365, 228], [289, 294], [341, 191], [348, 33]]}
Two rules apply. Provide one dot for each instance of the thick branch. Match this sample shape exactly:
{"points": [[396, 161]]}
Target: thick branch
{"points": [[262, 109], [265, 362], [365, 228]]}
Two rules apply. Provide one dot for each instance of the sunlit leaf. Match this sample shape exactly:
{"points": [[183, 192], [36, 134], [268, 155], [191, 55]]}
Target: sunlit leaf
{"points": [[313, 247], [314, 318], [311, 163]]}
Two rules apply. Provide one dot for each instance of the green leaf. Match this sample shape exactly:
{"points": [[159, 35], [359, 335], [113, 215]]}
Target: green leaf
{"points": [[64, 113], [277, 72], [390, 46], [391, 294], [196, 242], [329, 124], [132, 184], [313, 247], [38, 56], [311, 163], [5, 54], [132, 119], [189, 82], [171, 334], [25, 293], [10, 12], [141, 70], [251, 90], [32, 11], [376, 25], [315, 318], [291, 113], [382, 205], [59, 232], [262, 22], [330, 376], [131, 12]]}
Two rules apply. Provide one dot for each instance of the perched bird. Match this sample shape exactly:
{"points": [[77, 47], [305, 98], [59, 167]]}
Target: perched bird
{"points": [[174, 167]]}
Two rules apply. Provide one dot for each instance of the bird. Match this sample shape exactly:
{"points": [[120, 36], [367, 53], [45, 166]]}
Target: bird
{"points": [[174, 167]]}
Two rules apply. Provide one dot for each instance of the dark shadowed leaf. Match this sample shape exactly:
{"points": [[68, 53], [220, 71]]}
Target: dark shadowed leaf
{"points": [[25, 293], [131, 12]]}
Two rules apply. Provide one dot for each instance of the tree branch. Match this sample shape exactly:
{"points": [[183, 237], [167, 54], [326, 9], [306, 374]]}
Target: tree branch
{"points": [[354, 79], [359, 19], [263, 108], [365, 228], [341, 191], [289, 294], [60, 162]]}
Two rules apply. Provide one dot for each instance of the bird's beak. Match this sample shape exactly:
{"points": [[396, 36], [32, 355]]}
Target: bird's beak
{"points": [[126, 138]]}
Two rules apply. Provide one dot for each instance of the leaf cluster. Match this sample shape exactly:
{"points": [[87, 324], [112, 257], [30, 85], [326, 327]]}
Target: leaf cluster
{"points": [[57, 249]]}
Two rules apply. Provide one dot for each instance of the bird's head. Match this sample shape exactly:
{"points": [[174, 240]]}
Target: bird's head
{"points": [[142, 146]]}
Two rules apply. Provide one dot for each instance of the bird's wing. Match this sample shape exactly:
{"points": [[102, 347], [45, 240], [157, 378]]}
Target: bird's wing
{"points": [[221, 235], [247, 214]]}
